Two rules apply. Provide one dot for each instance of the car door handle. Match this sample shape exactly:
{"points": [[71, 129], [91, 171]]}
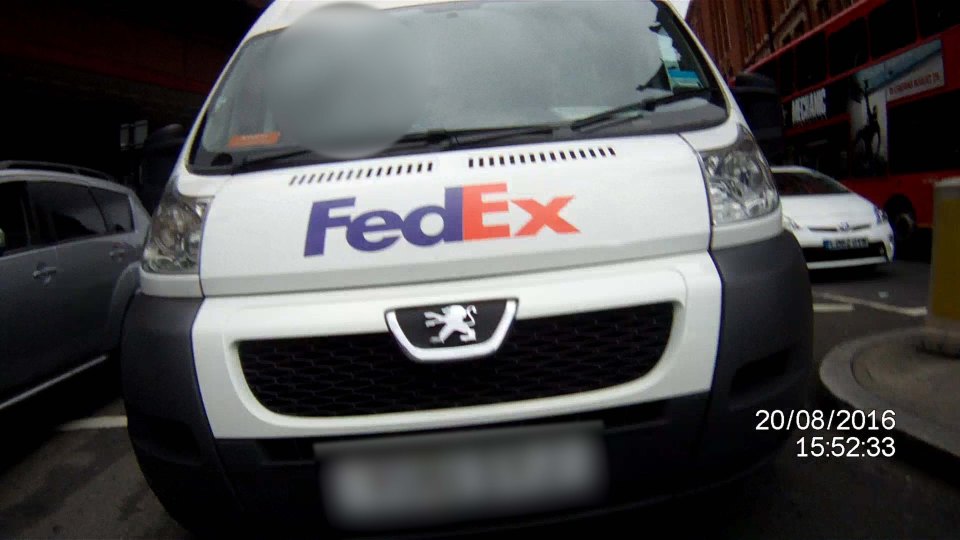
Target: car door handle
{"points": [[45, 273], [117, 253]]}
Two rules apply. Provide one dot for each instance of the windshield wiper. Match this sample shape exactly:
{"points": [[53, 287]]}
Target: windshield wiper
{"points": [[482, 136], [648, 105], [467, 137], [434, 137], [249, 163]]}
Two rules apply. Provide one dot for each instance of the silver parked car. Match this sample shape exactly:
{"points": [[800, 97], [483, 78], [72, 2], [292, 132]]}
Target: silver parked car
{"points": [[70, 242]]}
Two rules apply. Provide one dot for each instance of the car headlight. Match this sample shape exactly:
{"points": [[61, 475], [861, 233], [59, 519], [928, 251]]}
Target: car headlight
{"points": [[739, 181], [173, 241], [790, 224], [881, 216]]}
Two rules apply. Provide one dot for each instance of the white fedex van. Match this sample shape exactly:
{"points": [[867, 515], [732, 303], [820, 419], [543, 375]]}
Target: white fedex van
{"points": [[424, 265]]}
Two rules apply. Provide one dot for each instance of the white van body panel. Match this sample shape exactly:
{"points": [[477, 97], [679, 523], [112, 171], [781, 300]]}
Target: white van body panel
{"points": [[633, 198], [689, 281]]}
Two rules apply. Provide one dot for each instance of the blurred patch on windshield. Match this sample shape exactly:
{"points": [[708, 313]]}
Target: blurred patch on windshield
{"points": [[345, 81]]}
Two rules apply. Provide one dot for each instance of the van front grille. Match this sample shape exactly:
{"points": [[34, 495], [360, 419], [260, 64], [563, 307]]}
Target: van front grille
{"points": [[368, 374]]}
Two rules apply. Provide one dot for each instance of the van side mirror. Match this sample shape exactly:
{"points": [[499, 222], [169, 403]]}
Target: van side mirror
{"points": [[759, 101], [160, 153], [3, 242]]}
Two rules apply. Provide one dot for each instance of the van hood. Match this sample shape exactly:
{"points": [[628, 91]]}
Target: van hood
{"points": [[453, 215]]}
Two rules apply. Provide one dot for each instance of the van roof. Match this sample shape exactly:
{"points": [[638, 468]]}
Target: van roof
{"points": [[282, 13]]}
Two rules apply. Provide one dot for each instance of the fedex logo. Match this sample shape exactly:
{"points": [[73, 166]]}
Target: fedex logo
{"points": [[462, 215]]}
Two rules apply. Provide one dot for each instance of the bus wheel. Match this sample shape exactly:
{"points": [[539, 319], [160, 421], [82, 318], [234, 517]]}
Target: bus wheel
{"points": [[903, 220]]}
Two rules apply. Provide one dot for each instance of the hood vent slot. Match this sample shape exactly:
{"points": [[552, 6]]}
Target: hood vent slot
{"points": [[363, 173], [544, 156]]}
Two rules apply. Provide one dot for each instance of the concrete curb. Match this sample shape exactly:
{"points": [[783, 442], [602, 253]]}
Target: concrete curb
{"points": [[836, 374]]}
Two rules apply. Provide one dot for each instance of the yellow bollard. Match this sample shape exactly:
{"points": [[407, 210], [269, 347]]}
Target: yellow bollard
{"points": [[942, 333]]}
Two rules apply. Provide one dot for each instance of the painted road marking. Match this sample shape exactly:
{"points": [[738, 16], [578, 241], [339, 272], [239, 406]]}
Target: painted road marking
{"points": [[95, 422], [879, 306], [832, 308]]}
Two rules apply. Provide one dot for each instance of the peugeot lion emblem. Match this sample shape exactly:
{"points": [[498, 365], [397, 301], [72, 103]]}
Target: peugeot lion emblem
{"points": [[454, 331], [455, 318]]}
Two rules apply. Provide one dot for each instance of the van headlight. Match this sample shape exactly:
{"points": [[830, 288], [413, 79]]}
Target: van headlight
{"points": [[739, 181], [173, 241]]}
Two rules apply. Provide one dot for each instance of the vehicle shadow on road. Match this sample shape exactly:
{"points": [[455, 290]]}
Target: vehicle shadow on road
{"points": [[847, 275], [34, 421]]}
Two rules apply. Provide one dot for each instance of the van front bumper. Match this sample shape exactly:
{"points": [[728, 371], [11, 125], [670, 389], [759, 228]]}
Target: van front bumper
{"points": [[655, 447]]}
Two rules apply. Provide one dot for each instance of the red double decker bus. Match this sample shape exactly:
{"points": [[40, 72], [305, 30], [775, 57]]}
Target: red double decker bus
{"points": [[872, 97]]}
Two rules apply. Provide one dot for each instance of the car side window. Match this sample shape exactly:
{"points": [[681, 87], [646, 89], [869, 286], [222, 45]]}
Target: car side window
{"points": [[14, 217], [68, 211], [116, 210]]}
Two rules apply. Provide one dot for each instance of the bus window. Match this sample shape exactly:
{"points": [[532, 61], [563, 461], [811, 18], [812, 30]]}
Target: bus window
{"points": [[769, 70], [811, 61], [891, 27], [848, 47], [934, 17], [785, 63], [917, 141], [823, 149]]}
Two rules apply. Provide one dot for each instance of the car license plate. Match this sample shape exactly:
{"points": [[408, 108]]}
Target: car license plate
{"points": [[441, 479], [846, 243]]}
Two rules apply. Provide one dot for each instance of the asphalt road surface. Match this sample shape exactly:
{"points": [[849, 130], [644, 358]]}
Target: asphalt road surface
{"points": [[67, 469]]}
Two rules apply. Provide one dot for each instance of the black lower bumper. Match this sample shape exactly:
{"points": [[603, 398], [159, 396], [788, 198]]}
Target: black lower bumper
{"points": [[820, 254], [653, 450]]}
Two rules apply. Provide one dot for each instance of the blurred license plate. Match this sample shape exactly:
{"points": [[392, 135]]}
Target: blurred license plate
{"points": [[846, 243], [442, 479]]}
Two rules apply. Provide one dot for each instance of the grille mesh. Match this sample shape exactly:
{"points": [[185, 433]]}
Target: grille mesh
{"points": [[368, 374]]}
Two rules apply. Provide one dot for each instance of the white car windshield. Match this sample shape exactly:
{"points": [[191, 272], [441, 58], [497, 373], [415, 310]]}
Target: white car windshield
{"points": [[801, 183]]}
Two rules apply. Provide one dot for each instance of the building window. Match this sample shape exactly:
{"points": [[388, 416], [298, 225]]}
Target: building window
{"points": [[748, 15], [823, 10]]}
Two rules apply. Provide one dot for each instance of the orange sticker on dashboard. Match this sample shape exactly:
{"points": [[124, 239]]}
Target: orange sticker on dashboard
{"points": [[254, 139]]}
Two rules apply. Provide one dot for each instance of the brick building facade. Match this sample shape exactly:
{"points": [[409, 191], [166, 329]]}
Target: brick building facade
{"points": [[85, 82], [737, 33]]}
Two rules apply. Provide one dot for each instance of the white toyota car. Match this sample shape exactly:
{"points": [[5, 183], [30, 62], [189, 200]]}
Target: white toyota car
{"points": [[835, 227], [426, 265]]}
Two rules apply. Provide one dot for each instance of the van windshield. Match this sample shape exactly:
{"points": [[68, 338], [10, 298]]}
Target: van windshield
{"points": [[358, 83]]}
